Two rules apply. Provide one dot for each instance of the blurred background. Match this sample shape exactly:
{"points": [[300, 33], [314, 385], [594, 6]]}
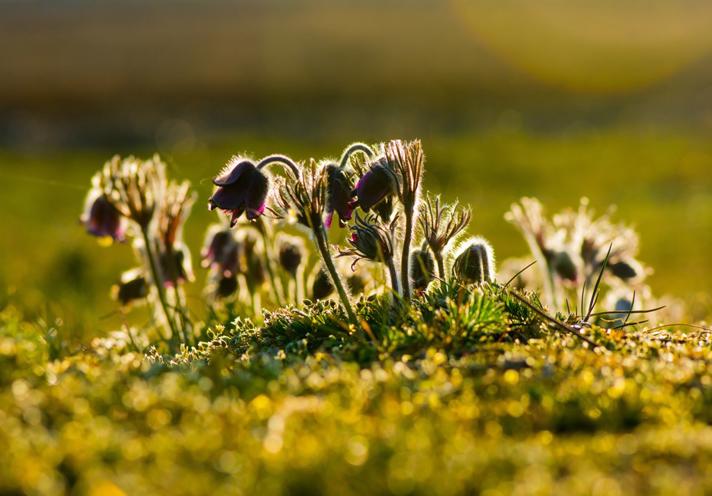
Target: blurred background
{"points": [[556, 99]]}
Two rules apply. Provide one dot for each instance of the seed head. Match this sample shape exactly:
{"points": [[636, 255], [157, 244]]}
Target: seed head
{"points": [[406, 160], [475, 263], [134, 187]]}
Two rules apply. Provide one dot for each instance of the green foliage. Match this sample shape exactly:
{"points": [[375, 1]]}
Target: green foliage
{"points": [[477, 397]]}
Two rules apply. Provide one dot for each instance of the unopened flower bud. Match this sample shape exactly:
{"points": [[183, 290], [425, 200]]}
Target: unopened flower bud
{"points": [[475, 263], [338, 195], [422, 269], [132, 287], [291, 253], [564, 266], [226, 286], [625, 269], [322, 286]]}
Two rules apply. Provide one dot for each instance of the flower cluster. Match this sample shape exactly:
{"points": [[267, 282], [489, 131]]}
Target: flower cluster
{"points": [[575, 248], [258, 254], [132, 199]]}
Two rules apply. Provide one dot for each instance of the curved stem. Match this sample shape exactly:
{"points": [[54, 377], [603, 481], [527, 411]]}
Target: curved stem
{"points": [[405, 258], [393, 274], [441, 265], [281, 159], [320, 236], [354, 148], [157, 281]]}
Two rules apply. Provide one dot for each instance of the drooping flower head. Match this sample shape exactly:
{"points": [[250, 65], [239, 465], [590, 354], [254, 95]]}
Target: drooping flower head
{"points": [[240, 187], [475, 262], [102, 219], [376, 185], [338, 195], [221, 251]]}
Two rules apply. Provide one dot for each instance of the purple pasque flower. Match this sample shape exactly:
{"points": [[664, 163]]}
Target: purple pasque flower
{"points": [[338, 195], [102, 219], [375, 185], [241, 187], [221, 252]]}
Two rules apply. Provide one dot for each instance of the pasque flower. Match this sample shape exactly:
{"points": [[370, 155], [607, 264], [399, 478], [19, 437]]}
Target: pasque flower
{"points": [[102, 219], [375, 185], [339, 184], [221, 251], [338, 195], [241, 187]]}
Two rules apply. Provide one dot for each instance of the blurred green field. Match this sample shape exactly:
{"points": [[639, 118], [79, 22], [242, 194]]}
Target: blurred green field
{"points": [[660, 182]]}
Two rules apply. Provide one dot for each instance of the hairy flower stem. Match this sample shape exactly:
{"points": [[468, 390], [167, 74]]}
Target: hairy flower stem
{"points": [[405, 258], [322, 245], [393, 274], [185, 322], [277, 289], [441, 265], [354, 148], [158, 282]]}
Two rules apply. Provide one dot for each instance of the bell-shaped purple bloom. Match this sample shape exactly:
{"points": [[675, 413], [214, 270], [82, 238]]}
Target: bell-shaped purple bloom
{"points": [[222, 252], [375, 185], [100, 218], [241, 187], [338, 196]]}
